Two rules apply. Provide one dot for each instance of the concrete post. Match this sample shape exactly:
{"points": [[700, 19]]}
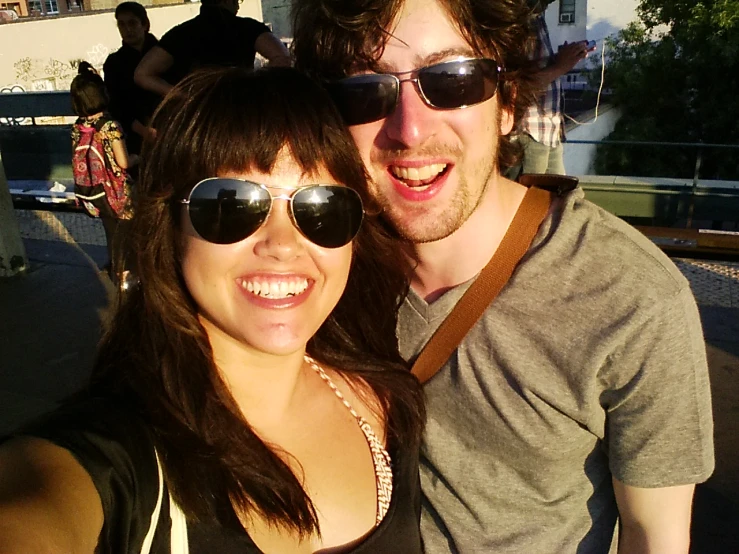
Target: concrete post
{"points": [[12, 253]]}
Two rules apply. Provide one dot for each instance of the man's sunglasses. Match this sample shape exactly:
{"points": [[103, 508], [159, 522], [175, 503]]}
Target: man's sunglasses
{"points": [[226, 211], [444, 86]]}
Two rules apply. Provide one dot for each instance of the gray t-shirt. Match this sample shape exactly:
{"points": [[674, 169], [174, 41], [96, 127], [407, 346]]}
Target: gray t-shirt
{"points": [[589, 365]]}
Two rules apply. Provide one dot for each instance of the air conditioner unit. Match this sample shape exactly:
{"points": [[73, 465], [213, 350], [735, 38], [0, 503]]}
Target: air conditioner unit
{"points": [[567, 18]]}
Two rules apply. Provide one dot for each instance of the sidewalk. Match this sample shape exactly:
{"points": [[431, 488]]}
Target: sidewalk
{"points": [[50, 318], [50, 322]]}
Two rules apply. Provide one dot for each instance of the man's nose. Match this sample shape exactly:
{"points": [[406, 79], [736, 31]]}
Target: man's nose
{"points": [[413, 121]]}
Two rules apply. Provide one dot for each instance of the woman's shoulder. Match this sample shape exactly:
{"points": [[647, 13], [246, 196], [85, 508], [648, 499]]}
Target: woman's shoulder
{"points": [[114, 445], [102, 433], [110, 126]]}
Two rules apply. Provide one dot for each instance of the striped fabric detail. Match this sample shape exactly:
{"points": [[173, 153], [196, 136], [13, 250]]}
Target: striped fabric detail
{"points": [[178, 530], [178, 535], [380, 457], [149, 538]]}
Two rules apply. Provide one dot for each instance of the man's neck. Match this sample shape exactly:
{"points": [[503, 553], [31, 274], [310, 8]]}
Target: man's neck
{"points": [[139, 46], [448, 262]]}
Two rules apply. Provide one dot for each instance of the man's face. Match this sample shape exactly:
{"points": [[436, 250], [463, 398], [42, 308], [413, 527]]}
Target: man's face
{"points": [[232, 6], [132, 30], [429, 167]]}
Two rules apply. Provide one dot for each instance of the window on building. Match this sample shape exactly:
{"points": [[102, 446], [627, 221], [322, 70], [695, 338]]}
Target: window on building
{"points": [[51, 6], [566, 11]]}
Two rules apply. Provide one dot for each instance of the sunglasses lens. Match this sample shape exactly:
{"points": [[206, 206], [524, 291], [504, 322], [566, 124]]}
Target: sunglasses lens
{"points": [[225, 211], [460, 83], [328, 215], [364, 98]]}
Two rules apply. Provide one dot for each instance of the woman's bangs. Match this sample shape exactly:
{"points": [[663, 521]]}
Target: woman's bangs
{"points": [[232, 121]]}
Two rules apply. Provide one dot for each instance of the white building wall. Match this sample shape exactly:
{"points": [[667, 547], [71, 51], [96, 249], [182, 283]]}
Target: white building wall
{"points": [[607, 17], [559, 33], [579, 159], [594, 20], [38, 54]]}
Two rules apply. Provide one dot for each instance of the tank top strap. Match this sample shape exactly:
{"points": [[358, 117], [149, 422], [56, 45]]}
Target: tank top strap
{"points": [[380, 457]]}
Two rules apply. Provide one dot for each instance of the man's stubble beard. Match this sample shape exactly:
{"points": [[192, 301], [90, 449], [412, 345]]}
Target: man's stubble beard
{"points": [[419, 226]]}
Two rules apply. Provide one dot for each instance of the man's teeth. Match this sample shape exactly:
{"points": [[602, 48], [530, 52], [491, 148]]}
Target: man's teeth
{"points": [[417, 173], [276, 289]]}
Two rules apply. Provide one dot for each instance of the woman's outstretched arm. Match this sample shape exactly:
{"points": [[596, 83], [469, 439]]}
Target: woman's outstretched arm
{"points": [[48, 502]]}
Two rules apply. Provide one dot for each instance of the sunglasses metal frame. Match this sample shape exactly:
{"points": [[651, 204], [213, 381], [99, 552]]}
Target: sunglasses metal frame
{"points": [[288, 197], [419, 87]]}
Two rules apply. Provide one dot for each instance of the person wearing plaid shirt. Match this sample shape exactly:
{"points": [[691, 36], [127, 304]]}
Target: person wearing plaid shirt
{"points": [[542, 128]]}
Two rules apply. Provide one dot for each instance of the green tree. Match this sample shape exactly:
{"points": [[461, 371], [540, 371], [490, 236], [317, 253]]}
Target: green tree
{"points": [[674, 74]]}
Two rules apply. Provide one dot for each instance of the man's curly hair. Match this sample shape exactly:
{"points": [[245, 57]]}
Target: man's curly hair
{"points": [[333, 38]]}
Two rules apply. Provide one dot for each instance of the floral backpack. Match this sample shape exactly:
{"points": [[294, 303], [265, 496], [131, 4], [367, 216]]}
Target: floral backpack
{"points": [[96, 185]]}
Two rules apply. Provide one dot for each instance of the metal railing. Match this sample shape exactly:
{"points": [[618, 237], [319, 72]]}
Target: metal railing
{"points": [[718, 188], [700, 148], [19, 106], [664, 202]]}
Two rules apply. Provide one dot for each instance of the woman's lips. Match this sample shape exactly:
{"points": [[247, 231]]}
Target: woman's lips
{"points": [[275, 291]]}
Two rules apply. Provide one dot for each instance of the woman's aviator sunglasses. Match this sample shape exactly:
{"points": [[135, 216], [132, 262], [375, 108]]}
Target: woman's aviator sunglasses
{"points": [[226, 211], [444, 86]]}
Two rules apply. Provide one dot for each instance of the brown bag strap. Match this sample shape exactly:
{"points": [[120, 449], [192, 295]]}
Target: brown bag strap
{"points": [[492, 279]]}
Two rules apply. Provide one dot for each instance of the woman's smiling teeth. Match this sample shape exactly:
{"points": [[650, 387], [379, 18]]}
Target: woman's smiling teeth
{"points": [[275, 289], [417, 176]]}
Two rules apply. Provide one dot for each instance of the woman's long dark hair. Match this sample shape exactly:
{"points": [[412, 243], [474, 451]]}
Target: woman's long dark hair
{"points": [[157, 354]]}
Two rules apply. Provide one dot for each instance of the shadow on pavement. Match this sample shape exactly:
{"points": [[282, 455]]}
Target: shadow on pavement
{"points": [[715, 523], [716, 505], [50, 323]]}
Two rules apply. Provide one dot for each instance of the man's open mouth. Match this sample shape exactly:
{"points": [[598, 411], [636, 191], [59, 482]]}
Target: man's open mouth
{"points": [[418, 177]]}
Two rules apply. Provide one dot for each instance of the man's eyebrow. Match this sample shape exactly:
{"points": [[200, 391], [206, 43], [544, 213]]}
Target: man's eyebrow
{"points": [[431, 59], [443, 55]]}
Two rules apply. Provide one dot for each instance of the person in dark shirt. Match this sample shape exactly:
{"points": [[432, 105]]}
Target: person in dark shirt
{"points": [[130, 105], [215, 37]]}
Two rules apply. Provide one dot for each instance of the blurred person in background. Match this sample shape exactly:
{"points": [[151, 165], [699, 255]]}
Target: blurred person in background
{"points": [[541, 131], [215, 37], [130, 105]]}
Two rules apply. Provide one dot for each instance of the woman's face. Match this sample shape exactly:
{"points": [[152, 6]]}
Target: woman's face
{"points": [[270, 292]]}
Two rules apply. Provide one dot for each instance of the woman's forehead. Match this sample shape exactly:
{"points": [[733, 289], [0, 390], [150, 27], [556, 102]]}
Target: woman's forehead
{"points": [[285, 167]]}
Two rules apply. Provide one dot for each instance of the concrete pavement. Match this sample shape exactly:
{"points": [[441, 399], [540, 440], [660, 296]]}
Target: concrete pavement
{"points": [[50, 318], [50, 322]]}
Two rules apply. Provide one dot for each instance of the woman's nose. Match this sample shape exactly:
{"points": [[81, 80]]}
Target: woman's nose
{"points": [[278, 238]]}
